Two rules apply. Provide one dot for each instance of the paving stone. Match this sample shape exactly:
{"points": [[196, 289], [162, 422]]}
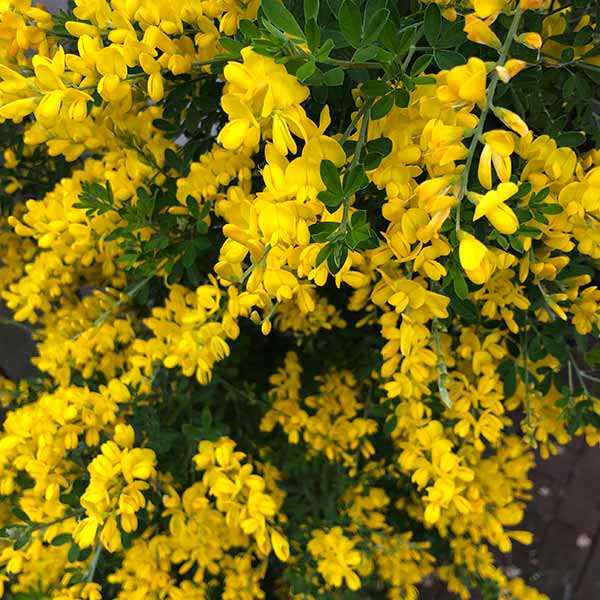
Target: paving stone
{"points": [[559, 466], [588, 587], [546, 494], [435, 590], [580, 511], [562, 561], [580, 504], [16, 348], [586, 474]]}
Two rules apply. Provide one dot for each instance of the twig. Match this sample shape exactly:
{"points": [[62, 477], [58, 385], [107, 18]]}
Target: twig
{"points": [[491, 90]]}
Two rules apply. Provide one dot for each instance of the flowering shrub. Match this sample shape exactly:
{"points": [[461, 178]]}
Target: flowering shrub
{"points": [[310, 283]]}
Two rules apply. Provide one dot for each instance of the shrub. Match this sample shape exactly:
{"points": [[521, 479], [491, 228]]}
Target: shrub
{"points": [[310, 283]]}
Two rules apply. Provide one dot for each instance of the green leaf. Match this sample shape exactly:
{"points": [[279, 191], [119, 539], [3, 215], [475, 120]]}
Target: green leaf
{"points": [[390, 425], [375, 24], [164, 125], [421, 64], [516, 243], [529, 231], [355, 179], [571, 139], [22, 541], [375, 87], [451, 35], [424, 80], [334, 77], [74, 552], [334, 7], [447, 59], [313, 35], [281, 17], [509, 377], [541, 195], [61, 538], [382, 145], [372, 241], [355, 237], [20, 514], [401, 98], [311, 9], [324, 51], [502, 241], [432, 24], [373, 160], [320, 232], [465, 309], [350, 21], [567, 55], [382, 107], [365, 54], [329, 199], [232, 46], [359, 217], [306, 70], [189, 256], [398, 44], [337, 258], [193, 206], [461, 288], [523, 190], [331, 177], [248, 29], [323, 254]]}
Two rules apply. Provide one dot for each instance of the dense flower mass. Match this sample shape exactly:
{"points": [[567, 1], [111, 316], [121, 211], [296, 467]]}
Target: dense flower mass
{"points": [[309, 289]]}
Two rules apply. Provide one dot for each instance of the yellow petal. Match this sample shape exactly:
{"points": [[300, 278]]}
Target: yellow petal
{"points": [[470, 251], [233, 134], [507, 190], [501, 142], [280, 545], [484, 172], [502, 166], [485, 8], [156, 89], [49, 107], [18, 109], [503, 219]]}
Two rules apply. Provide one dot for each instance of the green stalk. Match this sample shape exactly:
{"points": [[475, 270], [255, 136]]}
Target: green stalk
{"points": [[491, 90], [362, 138]]}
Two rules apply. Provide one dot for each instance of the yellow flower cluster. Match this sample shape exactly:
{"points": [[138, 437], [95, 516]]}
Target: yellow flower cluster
{"points": [[219, 528], [117, 479], [331, 425]]}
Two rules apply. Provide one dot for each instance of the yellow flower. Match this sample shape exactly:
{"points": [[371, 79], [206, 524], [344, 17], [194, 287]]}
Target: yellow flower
{"points": [[499, 145], [280, 545], [512, 67], [479, 31], [466, 82], [84, 534], [487, 8], [512, 120], [492, 206], [336, 557], [471, 251], [531, 4], [531, 39]]}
